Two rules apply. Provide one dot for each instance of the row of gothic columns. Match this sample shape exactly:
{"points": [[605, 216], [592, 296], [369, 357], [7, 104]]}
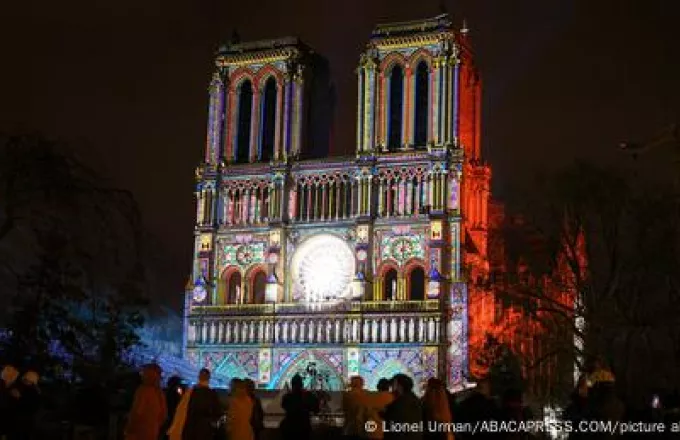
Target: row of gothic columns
{"points": [[386, 329], [332, 200]]}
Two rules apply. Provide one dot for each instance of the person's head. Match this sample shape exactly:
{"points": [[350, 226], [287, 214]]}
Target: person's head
{"points": [[9, 374], [402, 384], [236, 384], [151, 374], [30, 378], [383, 385], [296, 383], [204, 376], [356, 383], [434, 384], [250, 386], [237, 387], [174, 382]]}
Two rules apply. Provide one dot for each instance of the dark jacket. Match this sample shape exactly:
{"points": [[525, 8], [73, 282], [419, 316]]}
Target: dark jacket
{"points": [[298, 406], [203, 412], [405, 409]]}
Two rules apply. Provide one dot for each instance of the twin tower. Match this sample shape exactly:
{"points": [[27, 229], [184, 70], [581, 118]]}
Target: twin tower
{"points": [[331, 266], [418, 89]]}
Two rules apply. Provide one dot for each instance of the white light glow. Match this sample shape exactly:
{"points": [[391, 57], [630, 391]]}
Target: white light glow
{"points": [[323, 268]]}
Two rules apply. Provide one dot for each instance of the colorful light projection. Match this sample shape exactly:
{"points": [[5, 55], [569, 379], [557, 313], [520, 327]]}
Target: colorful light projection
{"points": [[323, 268]]}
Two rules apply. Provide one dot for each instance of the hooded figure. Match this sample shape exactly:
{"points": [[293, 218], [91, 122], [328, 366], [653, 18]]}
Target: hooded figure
{"points": [[240, 413], [149, 409]]}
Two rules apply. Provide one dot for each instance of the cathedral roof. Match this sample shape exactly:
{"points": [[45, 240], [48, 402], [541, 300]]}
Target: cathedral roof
{"points": [[434, 24], [261, 45]]}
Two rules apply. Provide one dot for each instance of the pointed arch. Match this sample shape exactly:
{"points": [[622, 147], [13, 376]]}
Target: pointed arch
{"points": [[226, 289], [269, 116], [257, 284], [269, 71], [239, 75], [395, 106], [244, 111], [390, 60], [421, 110], [419, 56], [415, 282], [390, 282]]}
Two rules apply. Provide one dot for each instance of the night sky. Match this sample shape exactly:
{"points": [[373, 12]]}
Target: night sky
{"points": [[126, 82]]}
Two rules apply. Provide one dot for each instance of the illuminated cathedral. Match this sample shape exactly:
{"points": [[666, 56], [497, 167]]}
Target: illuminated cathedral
{"points": [[335, 266]]}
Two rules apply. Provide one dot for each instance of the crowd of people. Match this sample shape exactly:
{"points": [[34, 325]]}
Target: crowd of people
{"points": [[179, 412], [19, 403], [197, 413]]}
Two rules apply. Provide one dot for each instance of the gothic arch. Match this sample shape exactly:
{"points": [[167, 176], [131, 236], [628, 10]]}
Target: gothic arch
{"points": [[270, 113], [267, 72], [416, 282], [227, 277], [396, 103], [336, 380], [421, 80], [243, 108], [390, 283], [418, 56], [390, 60], [239, 75], [257, 283]]}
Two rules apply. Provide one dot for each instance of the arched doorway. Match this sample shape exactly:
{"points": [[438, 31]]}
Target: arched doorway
{"points": [[258, 287], [390, 285], [416, 284], [234, 293]]}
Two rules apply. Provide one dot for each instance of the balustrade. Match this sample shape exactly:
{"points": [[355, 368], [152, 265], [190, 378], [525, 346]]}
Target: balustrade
{"points": [[314, 330]]}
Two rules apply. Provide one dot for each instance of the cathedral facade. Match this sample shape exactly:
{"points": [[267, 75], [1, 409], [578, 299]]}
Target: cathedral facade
{"points": [[327, 266]]}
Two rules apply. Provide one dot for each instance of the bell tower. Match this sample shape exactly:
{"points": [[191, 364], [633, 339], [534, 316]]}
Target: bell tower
{"points": [[417, 89], [260, 97]]}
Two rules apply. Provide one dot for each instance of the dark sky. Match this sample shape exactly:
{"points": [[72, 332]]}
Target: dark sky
{"points": [[127, 81]]}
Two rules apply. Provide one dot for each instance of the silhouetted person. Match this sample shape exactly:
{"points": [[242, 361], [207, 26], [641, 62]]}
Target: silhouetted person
{"points": [[257, 419], [298, 406], [149, 410], [405, 409], [478, 407], [436, 411], [9, 398], [26, 407], [355, 404], [513, 410], [239, 412], [603, 403], [203, 410], [378, 402], [173, 395]]}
